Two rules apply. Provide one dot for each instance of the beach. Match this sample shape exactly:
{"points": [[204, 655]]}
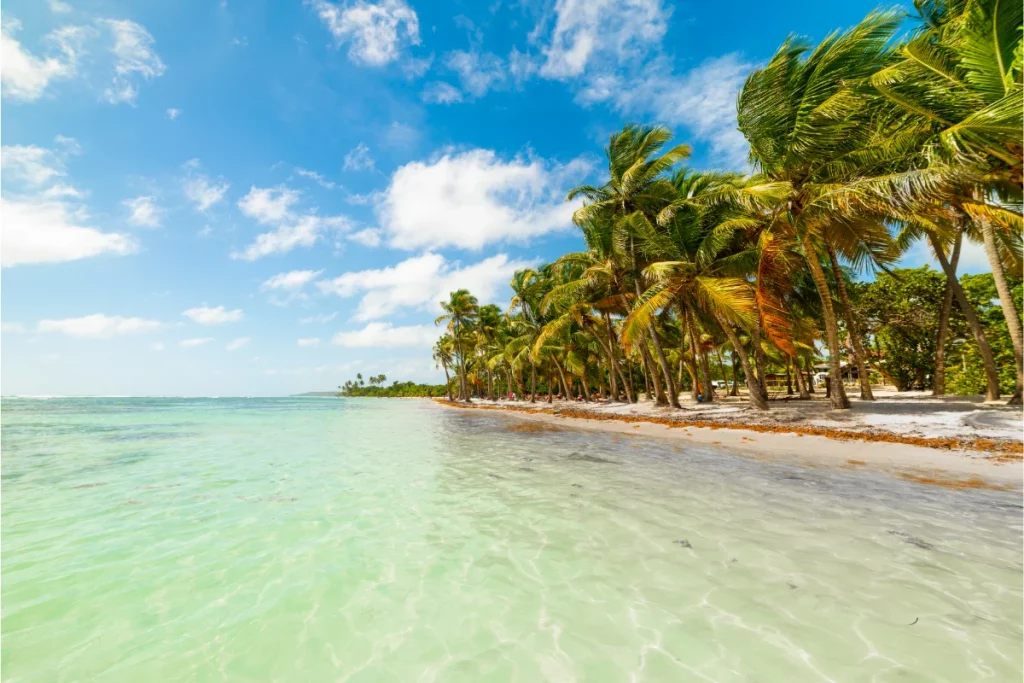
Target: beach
{"points": [[951, 442]]}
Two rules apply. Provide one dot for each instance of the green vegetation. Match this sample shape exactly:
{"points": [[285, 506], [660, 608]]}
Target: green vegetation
{"points": [[376, 388], [895, 132]]}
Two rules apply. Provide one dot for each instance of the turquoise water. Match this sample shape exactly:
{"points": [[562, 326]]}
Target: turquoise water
{"points": [[362, 540]]}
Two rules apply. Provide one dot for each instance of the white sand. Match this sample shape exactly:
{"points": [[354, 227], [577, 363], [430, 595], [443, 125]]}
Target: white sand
{"points": [[908, 414]]}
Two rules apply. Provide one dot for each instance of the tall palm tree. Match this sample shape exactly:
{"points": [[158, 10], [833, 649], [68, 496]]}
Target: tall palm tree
{"points": [[803, 114], [460, 311]]}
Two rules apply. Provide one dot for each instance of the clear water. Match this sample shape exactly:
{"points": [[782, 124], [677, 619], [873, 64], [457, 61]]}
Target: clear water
{"points": [[362, 540]]}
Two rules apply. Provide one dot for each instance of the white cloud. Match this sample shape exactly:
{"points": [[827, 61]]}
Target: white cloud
{"points": [[291, 281], [30, 164], [320, 180], [143, 211], [195, 342], [385, 335], [274, 205], [58, 7], [268, 204], [472, 199], [173, 113], [478, 71], [440, 92], [40, 230], [309, 342], [200, 190], [236, 344], [375, 31], [134, 56], [421, 282], [204, 315], [25, 76], [601, 31], [98, 326], [358, 158], [369, 237], [12, 328], [703, 99], [157, 346], [319, 319]]}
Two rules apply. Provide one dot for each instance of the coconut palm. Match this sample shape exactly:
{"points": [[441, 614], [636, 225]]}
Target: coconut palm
{"points": [[460, 311]]}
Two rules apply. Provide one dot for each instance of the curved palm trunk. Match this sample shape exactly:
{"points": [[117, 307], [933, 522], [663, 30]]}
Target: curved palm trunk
{"points": [[939, 376], [756, 398], [447, 381], [670, 384], [586, 388], [561, 376], [838, 398], [859, 355], [801, 386], [991, 374], [659, 395], [1013, 322]]}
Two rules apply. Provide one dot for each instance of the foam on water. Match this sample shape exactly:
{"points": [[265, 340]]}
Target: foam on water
{"points": [[363, 540]]}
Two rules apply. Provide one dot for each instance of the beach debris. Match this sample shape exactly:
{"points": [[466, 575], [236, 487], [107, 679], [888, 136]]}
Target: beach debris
{"points": [[89, 486], [577, 486], [912, 540], [916, 619], [683, 542]]}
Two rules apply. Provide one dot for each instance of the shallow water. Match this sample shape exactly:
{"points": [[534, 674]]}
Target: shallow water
{"points": [[363, 540]]}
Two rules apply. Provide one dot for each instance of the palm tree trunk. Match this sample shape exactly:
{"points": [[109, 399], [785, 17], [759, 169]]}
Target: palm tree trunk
{"points": [[991, 374], [612, 341], [705, 373], [756, 398], [721, 366], [447, 381], [789, 381], [801, 386], [647, 382], [551, 387], [533, 382], [586, 387], [561, 376], [670, 384], [659, 395], [735, 375], [1013, 322], [939, 376], [859, 355], [809, 376], [838, 397]]}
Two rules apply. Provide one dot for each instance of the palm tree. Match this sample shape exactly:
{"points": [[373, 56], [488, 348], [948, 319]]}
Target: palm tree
{"points": [[443, 351], [460, 312], [803, 114]]}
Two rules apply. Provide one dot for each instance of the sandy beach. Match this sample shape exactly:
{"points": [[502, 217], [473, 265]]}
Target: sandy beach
{"points": [[952, 442]]}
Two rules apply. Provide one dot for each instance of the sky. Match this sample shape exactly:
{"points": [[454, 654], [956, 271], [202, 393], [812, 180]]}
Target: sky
{"points": [[263, 198]]}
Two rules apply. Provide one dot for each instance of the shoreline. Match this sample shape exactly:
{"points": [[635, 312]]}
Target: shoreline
{"points": [[950, 463]]}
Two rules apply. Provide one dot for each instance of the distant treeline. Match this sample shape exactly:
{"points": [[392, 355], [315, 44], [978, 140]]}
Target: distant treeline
{"points": [[376, 388]]}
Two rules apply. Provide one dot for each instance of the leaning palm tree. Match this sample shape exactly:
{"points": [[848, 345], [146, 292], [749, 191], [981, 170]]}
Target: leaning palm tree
{"points": [[957, 95], [637, 183], [460, 311], [803, 114], [443, 350]]}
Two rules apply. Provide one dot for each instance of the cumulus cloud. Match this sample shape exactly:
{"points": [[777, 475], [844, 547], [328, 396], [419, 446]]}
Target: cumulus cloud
{"points": [[291, 281], [270, 206], [143, 211], [702, 99], [205, 315], [471, 199], [309, 342], [195, 342], [12, 328], [200, 190], [25, 76], [439, 92], [134, 58], [173, 113], [98, 326], [358, 158], [369, 237], [30, 164], [601, 31], [421, 283], [41, 230], [236, 344], [376, 32], [478, 72], [385, 335]]}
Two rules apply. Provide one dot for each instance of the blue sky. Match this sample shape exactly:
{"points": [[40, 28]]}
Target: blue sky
{"points": [[261, 198]]}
